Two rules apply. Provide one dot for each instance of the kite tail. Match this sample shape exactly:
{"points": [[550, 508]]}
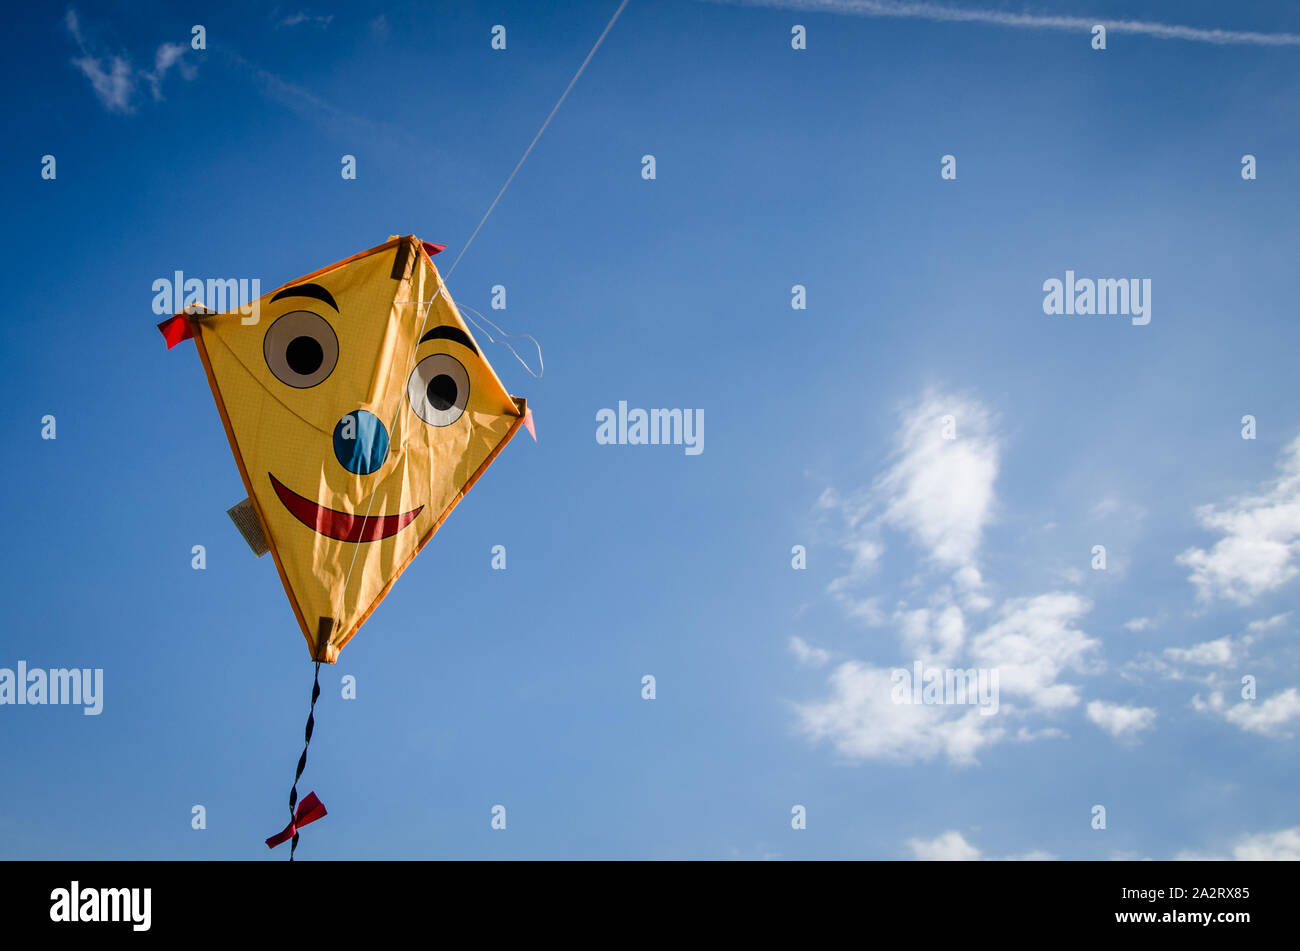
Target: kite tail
{"points": [[311, 808], [302, 760]]}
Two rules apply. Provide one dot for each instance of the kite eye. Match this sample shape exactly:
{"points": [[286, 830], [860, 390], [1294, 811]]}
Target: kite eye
{"points": [[301, 349], [438, 389]]}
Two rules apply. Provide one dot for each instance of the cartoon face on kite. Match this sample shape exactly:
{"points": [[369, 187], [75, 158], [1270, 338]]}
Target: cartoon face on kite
{"points": [[360, 410]]}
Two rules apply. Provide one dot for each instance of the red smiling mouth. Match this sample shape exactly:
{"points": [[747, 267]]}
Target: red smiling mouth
{"points": [[340, 525]]}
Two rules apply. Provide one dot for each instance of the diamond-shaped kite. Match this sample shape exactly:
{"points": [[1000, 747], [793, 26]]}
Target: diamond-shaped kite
{"points": [[360, 410]]}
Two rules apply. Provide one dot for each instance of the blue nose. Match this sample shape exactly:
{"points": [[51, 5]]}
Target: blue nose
{"points": [[360, 442]]}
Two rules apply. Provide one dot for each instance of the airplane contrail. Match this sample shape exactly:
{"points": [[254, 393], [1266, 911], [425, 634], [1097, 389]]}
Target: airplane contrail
{"points": [[1031, 21]]}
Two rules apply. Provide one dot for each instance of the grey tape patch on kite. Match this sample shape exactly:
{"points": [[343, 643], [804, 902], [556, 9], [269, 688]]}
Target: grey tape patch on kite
{"points": [[245, 518]]}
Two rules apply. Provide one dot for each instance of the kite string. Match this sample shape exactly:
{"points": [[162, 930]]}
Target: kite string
{"points": [[442, 284], [302, 760], [541, 367], [527, 151]]}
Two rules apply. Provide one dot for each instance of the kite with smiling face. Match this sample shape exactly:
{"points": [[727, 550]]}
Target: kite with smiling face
{"points": [[360, 411]]}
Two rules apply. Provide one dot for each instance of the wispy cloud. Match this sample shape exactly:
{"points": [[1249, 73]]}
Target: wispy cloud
{"points": [[937, 489], [299, 18], [951, 846], [1272, 717], [1283, 845], [111, 77], [940, 488], [808, 655], [1217, 653], [1034, 642], [1269, 623], [1120, 721], [1027, 21], [1260, 547], [862, 722], [114, 79], [168, 55]]}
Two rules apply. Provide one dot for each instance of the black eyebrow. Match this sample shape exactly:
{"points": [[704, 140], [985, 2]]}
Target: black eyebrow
{"points": [[308, 290], [450, 333]]}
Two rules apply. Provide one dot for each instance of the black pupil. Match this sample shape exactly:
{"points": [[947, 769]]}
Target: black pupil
{"points": [[441, 392], [304, 356]]}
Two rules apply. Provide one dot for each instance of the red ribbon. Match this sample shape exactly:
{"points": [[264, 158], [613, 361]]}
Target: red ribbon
{"points": [[175, 329], [309, 810]]}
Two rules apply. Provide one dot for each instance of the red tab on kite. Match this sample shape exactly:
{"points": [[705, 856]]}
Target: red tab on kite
{"points": [[175, 329], [528, 424], [309, 810], [431, 249]]}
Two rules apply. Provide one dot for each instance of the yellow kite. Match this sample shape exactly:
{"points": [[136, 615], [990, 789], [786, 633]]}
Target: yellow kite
{"points": [[360, 410]]}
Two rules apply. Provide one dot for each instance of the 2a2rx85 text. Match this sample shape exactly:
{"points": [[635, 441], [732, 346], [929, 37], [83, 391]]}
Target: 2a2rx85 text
{"points": [[1197, 893]]}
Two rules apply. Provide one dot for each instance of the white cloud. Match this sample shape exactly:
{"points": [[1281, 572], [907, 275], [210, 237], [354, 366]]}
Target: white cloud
{"points": [[1113, 505], [1138, 624], [1072, 574], [808, 655], [940, 493], [169, 55], [114, 85], [1136, 670], [1033, 643], [1211, 656], [320, 20], [937, 491], [1025, 735], [933, 636], [847, 588], [1105, 507], [113, 78], [941, 490], [1283, 845], [1260, 543], [861, 721], [1269, 624], [1219, 653], [1119, 720], [1266, 717], [950, 846]]}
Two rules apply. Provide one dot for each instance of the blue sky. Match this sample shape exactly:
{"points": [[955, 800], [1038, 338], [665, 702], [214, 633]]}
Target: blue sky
{"points": [[774, 167]]}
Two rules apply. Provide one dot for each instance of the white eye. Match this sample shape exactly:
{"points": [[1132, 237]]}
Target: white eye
{"points": [[301, 349], [438, 389]]}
